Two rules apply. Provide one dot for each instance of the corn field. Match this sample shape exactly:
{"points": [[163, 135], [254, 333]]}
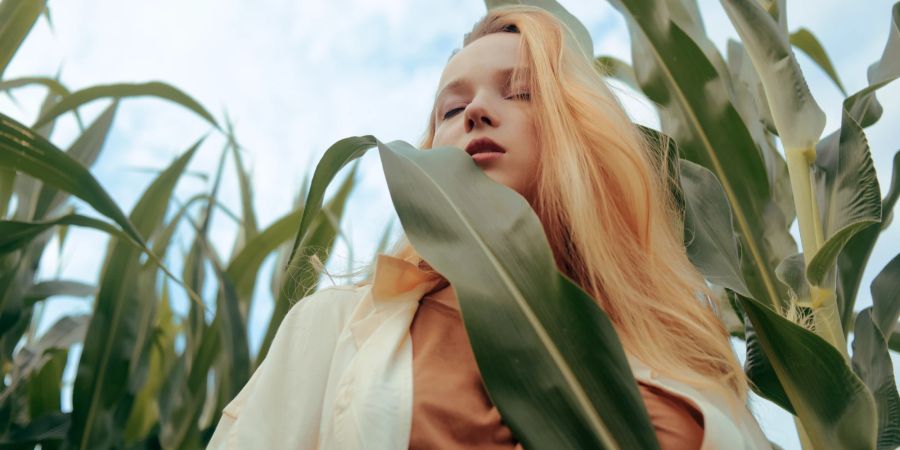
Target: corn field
{"points": [[753, 157]]}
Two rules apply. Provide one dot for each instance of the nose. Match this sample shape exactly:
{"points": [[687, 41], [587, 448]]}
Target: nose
{"points": [[477, 116]]}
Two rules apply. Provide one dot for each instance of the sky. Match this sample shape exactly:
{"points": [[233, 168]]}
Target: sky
{"points": [[296, 76]]}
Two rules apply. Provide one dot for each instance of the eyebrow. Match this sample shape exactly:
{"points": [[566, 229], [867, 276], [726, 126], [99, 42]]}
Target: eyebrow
{"points": [[503, 74]]}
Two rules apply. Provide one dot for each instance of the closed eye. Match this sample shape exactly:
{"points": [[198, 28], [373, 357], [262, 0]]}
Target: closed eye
{"points": [[521, 96], [451, 113]]}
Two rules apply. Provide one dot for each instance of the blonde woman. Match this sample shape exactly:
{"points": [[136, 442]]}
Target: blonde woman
{"points": [[386, 363]]}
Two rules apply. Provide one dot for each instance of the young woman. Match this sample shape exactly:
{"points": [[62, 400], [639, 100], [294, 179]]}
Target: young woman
{"points": [[386, 364]]}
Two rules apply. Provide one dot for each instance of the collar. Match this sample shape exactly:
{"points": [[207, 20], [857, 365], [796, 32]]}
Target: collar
{"points": [[399, 280], [397, 287]]}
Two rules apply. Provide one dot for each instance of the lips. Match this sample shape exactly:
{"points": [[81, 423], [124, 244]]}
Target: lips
{"points": [[484, 145]]}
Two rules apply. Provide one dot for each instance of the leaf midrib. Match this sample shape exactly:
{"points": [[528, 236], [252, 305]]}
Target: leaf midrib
{"points": [[544, 337]]}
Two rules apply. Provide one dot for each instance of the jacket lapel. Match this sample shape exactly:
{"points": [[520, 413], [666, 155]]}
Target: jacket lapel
{"points": [[369, 397]]}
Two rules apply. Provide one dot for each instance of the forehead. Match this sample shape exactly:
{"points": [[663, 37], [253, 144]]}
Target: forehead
{"points": [[495, 51]]}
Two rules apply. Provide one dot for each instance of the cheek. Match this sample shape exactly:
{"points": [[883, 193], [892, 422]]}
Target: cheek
{"points": [[439, 138]]}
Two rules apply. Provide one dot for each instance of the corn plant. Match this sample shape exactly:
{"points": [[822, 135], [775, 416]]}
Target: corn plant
{"points": [[132, 388], [749, 144]]}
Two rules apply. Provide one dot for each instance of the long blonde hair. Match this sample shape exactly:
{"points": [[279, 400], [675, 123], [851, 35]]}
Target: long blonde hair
{"points": [[604, 204]]}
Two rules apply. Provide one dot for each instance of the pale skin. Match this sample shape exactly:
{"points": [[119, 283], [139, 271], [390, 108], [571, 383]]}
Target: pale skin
{"points": [[476, 100]]}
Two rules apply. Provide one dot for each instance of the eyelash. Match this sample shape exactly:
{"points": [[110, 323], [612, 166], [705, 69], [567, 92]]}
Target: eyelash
{"points": [[521, 95], [452, 112], [527, 95]]}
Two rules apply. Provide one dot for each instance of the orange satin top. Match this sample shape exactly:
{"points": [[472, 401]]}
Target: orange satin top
{"points": [[451, 408]]}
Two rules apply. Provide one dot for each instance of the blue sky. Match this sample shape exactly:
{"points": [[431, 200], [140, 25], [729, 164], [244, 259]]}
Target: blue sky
{"points": [[296, 76]]}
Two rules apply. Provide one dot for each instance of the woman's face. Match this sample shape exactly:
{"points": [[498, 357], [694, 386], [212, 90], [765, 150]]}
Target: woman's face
{"points": [[476, 100]]}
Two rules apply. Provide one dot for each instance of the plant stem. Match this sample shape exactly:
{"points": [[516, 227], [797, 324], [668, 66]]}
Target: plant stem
{"points": [[804, 201], [823, 300]]}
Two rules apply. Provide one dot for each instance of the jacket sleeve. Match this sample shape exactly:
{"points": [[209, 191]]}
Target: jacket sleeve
{"points": [[230, 414], [287, 389]]}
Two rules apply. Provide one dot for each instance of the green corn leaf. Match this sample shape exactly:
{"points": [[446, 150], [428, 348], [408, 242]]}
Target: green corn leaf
{"points": [[53, 85], [804, 40], [871, 359], [846, 180], [249, 226], [145, 412], [123, 90], [697, 111], [589, 401], [244, 267], [225, 338], [17, 17], [760, 373], [48, 430], [792, 272], [84, 150], [885, 301], [337, 156], [45, 386], [300, 277], [750, 100], [570, 401], [835, 407], [797, 116], [21, 149], [25, 187], [786, 363], [112, 337], [864, 109], [15, 235], [708, 228], [47, 289], [843, 158], [872, 362]]}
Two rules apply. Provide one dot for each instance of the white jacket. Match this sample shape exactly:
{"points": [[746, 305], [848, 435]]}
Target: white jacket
{"points": [[338, 375]]}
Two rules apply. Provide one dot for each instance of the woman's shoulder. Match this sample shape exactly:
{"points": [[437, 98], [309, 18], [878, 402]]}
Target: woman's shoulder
{"points": [[326, 305]]}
